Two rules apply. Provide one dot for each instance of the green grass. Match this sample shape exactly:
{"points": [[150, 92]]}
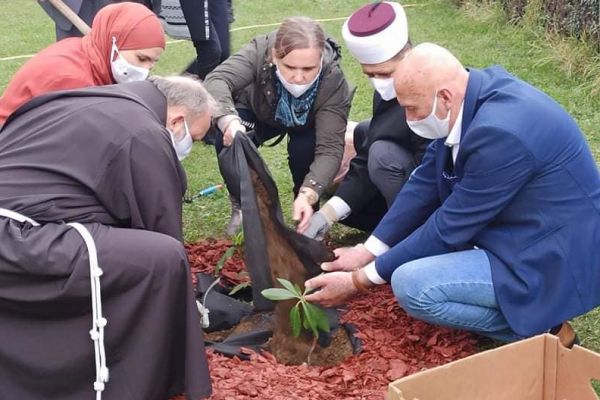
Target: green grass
{"points": [[478, 34]]}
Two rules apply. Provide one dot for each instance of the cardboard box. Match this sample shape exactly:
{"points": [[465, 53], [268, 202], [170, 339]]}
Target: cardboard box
{"points": [[539, 368]]}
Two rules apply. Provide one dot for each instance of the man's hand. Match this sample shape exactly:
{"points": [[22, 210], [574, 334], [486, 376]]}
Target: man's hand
{"points": [[302, 212], [322, 221], [232, 128], [349, 259], [318, 226], [335, 287]]}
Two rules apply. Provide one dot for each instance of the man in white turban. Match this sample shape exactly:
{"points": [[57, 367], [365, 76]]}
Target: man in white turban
{"points": [[387, 150]]}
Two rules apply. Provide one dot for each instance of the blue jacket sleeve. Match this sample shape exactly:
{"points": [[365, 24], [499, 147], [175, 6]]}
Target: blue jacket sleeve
{"points": [[496, 166]]}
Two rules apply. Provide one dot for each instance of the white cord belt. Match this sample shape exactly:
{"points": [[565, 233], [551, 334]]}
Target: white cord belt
{"points": [[98, 321]]}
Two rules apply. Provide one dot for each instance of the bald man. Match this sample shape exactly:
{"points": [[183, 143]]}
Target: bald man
{"points": [[497, 231]]}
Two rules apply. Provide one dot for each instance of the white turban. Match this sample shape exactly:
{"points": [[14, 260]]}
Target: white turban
{"points": [[376, 32]]}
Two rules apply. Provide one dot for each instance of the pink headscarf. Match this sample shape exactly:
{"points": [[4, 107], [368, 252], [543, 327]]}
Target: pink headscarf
{"points": [[81, 62], [133, 25]]}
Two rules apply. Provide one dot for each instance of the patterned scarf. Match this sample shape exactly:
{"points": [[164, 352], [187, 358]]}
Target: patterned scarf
{"points": [[292, 111]]}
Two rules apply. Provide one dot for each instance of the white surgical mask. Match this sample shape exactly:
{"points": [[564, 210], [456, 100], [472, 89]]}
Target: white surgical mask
{"points": [[385, 87], [431, 127], [182, 146], [123, 71], [295, 89]]}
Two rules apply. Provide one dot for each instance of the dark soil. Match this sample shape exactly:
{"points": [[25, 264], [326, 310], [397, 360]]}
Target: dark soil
{"points": [[338, 350], [394, 345]]}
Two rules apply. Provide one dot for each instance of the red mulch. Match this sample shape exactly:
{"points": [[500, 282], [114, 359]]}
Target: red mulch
{"points": [[205, 255], [394, 345]]}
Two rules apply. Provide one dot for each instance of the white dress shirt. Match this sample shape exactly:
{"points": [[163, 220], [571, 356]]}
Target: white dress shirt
{"points": [[376, 246]]}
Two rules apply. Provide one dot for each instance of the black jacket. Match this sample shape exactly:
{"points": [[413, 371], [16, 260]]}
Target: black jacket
{"points": [[388, 123]]}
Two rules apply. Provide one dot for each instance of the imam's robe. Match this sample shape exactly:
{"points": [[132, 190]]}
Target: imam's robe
{"points": [[101, 157]]}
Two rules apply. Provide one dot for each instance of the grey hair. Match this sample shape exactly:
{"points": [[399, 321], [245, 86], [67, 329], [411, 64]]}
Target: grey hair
{"points": [[186, 92]]}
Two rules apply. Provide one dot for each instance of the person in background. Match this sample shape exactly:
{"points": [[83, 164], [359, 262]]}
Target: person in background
{"points": [[287, 82], [206, 24], [91, 185], [86, 10], [387, 150], [125, 42], [497, 231], [209, 30]]}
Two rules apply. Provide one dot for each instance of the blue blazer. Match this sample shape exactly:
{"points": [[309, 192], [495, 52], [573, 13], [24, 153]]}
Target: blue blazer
{"points": [[525, 188]]}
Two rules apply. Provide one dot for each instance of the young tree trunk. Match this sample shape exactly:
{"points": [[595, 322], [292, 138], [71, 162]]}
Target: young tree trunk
{"points": [[285, 264]]}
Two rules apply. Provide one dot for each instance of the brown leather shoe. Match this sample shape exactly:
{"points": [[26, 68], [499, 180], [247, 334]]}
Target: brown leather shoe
{"points": [[566, 334]]}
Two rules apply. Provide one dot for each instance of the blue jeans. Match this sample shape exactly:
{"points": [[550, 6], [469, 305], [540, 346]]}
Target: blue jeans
{"points": [[453, 290]]}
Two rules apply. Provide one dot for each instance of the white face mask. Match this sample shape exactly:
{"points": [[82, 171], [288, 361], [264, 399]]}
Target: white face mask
{"points": [[294, 89], [182, 146], [123, 71], [385, 87], [431, 127]]}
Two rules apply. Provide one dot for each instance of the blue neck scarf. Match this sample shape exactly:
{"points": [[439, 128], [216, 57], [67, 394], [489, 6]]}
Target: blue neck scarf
{"points": [[293, 111]]}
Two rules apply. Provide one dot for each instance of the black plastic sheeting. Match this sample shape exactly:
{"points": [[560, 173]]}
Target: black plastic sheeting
{"points": [[236, 162]]}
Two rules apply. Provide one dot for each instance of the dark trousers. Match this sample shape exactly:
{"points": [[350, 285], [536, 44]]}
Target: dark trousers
{"points": [[86, 10], [389, 167], [211, 49], [300, 144]]}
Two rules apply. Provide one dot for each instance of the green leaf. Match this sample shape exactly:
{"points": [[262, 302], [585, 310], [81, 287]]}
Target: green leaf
{"points": [[308, 290], [288, 285], [317, 318], [226, 256], [322, 320], [295, 320], [304, 318], [238, 238], [278, 294], [311, 322], [238, 287]]}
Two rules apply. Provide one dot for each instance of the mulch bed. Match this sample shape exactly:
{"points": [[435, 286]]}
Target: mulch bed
{"points": [[394, 345]]}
